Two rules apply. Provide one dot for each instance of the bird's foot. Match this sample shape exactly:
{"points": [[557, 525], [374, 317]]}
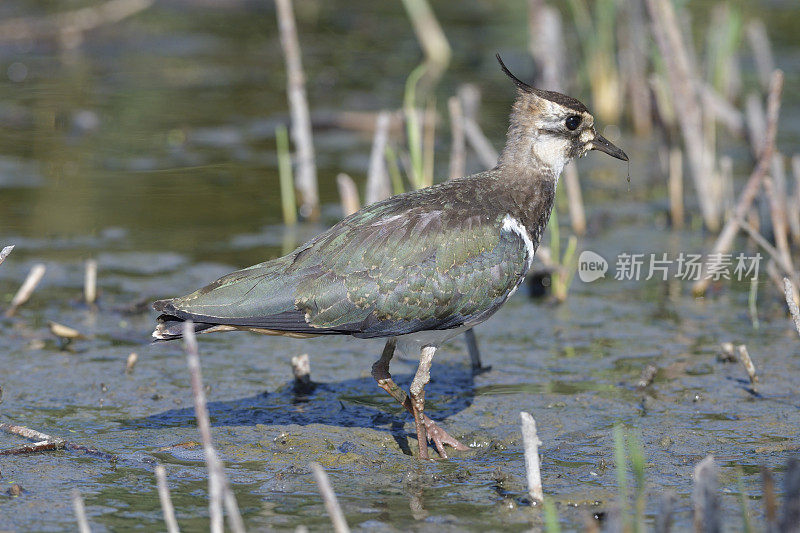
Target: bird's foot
{"points": [[440, 437]]}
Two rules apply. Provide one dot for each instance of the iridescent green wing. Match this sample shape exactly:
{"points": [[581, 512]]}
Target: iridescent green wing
{"points": [[398, 274]]}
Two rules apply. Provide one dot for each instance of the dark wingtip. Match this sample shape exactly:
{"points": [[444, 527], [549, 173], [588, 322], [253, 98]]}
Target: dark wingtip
{"points": [[519, 83]]}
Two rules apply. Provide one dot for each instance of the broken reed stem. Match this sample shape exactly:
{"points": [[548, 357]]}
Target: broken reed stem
{"points": [[4, 253], [775, 187], [666, 507], [676, 187], [706, 501], [329, 497], [348, 194], [458, 149], [44, 442], [792, 298], [762, 51], [546, 43], [166, 500], [70, 23], [470, 98], [682, 83], [729, 231], [577, 214], [288, 200], [756, 122], [428, 142], [26, 289], [301, 368], [769, 499], [131, 362], [306, 175], [90, 282], [531, 442], [218, 489], [646, 377], [430, 36], [764, 243], [80, 512], [378, 185], [790, 517], [747, 363]]}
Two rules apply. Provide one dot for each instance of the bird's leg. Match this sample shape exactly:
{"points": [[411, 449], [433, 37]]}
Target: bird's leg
{"points": [[417, 393], [474, 353], [380, 371]]}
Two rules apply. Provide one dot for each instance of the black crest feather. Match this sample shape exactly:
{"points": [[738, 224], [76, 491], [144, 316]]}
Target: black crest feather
{"points": [[558, 98], [519, 83]]}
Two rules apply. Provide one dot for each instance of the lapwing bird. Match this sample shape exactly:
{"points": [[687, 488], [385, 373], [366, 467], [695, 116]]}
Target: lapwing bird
{"points": [[417, 268]]}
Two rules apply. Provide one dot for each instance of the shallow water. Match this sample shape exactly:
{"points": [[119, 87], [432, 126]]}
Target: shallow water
{"points": [[152, 151]]}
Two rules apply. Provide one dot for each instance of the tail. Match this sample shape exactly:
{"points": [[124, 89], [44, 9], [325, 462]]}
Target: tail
{"points": [[170, 327]]}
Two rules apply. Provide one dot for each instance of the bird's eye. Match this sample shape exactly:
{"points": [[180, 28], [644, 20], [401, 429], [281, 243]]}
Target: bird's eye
{"points": [[573, 122]]}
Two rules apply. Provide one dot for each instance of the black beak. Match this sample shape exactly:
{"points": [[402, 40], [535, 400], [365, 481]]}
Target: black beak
{"points": [[604, 145]]}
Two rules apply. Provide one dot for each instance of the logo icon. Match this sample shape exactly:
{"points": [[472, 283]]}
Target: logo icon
{"points": [[591, 266]]}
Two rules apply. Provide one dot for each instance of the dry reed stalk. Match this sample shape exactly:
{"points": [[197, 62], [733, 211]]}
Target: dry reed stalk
{"points": [[676, 187], [748, 194], [45, 443], [80, 512], [775, 187], [683, 84], [794, 202], [131, 362], [646, 377], [792, 300], [428, 142], [306, 175], [90, 282], [633, 47], [531, 442], [770, 501], [430, 36], [776, 259], [663, 104], [546, 43], [726, 353], [762, 51], [70, 23], [722, 110], [458, 149], [726, 183], [470, 98], [756, 122], [707, 517], [577, 215], [378, 185], [166, 500], [329, 497], [348, 194], [218, 489], [4, 253], [26, 289], [747, 363], [666, 507]]}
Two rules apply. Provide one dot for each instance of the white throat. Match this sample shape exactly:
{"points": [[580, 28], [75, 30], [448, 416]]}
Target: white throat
{"points": [[552, 152]]}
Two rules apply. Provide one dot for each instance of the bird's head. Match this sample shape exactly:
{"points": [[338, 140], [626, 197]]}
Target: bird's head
{"points": [[549, 128]]}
